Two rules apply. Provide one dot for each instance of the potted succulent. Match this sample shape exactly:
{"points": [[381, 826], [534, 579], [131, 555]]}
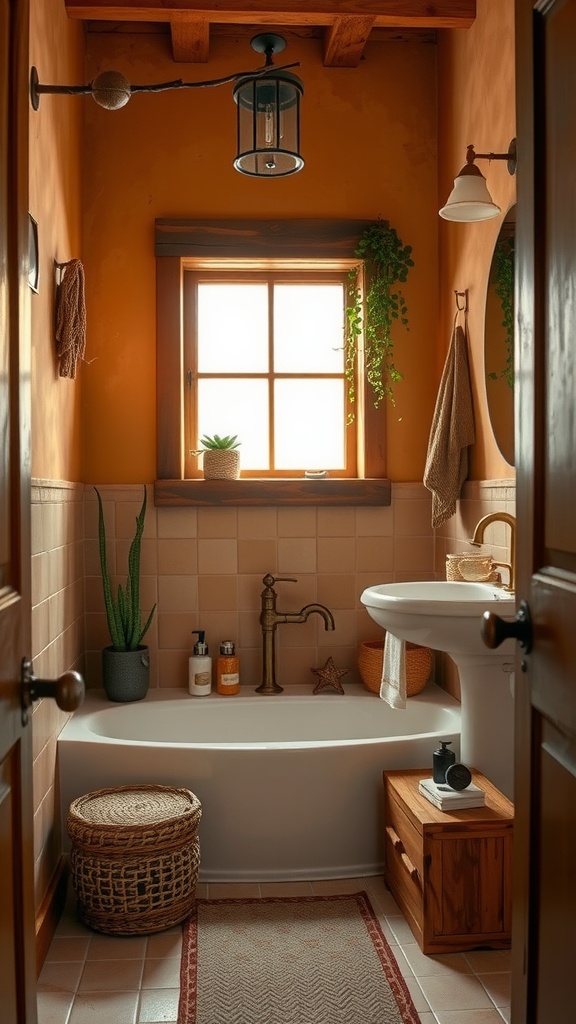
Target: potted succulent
{"points": [[220, 457], [125, 663]]}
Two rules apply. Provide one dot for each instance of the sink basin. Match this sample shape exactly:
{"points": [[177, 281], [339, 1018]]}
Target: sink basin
{"points": [[440, 614], [447, 616]]}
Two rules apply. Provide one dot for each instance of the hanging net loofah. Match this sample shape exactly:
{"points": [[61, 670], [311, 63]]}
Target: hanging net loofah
{"points": [[70, 318]]}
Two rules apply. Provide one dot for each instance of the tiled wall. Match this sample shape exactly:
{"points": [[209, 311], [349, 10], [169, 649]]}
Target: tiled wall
{"points": [[204, 568], [57, 517]]}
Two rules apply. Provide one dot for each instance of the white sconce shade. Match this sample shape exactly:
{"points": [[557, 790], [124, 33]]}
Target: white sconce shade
{"points": [[470, 199]]}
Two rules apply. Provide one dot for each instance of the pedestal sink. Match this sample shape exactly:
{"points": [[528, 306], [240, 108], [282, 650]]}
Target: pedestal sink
{"points": [[447, 617]]}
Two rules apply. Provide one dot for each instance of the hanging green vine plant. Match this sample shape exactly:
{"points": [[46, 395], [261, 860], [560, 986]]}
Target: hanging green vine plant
{"points": [[504, 255], [371, 310]]}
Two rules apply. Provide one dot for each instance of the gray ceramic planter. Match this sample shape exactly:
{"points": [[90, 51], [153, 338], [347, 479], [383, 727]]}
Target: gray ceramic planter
{"points": [[125, 673]]}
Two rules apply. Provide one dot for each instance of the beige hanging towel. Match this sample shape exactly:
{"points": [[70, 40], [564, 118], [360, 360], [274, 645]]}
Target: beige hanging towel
{"points": [[70, 318], [452, 432]]}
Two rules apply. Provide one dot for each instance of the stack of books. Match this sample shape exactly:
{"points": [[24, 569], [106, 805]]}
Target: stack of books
{"points": [[447, 799]]}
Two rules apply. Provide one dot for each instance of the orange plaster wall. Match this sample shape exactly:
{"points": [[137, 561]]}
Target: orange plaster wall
{"points": [[55, 198], [369, 140], [476, 106]]}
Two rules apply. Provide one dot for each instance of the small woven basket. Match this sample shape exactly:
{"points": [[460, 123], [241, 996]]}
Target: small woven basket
{"points": [[471, 567], [135, 857], [418, 666], [221, 464]]}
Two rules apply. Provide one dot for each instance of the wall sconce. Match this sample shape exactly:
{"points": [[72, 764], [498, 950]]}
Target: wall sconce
{"points": [[269, 117], [470, 199]]}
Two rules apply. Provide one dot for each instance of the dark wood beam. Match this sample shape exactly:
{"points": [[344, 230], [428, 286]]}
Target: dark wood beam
{"points": [[345, 41]]}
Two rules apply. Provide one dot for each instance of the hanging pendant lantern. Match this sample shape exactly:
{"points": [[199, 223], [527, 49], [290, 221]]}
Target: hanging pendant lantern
{"points": [[268, 117]]}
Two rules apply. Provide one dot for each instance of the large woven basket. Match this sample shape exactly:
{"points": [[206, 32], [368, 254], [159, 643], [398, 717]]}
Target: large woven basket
{"points": [[135, 857], [418, 666]]}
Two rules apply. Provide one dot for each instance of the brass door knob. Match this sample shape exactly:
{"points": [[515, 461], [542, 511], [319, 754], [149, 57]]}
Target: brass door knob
{"points": [[495, 630], [68, 690]]}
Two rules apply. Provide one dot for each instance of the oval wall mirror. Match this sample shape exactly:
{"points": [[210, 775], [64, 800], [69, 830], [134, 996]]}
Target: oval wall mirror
{"points": [[499, 337]]}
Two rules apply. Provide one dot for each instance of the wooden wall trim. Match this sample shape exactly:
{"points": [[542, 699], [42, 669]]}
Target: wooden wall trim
{"points": [[50, 911]]}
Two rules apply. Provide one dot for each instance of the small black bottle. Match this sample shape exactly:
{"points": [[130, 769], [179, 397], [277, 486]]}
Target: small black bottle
{"points": [[441, 760]]}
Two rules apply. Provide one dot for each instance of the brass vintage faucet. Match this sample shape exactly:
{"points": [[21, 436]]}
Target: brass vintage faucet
{"points": [[478, 539], [269, 619]]}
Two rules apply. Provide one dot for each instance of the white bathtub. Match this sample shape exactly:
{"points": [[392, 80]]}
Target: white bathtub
{"points": [[291, 786]]}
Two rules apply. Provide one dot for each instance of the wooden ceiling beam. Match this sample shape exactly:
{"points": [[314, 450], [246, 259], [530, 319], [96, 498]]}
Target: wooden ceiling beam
{"points": [[190, 38], [345, 40], [386, 13]]}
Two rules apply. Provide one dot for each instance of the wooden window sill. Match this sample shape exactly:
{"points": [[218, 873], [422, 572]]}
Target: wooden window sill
{"points": [[254, 492]]}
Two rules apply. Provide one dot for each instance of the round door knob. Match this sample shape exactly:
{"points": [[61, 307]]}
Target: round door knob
{"points": [[68, 690], [495, 630]]}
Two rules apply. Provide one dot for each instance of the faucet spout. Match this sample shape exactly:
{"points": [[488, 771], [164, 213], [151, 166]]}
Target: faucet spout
{"points": [[270, 618], [478, 539]]}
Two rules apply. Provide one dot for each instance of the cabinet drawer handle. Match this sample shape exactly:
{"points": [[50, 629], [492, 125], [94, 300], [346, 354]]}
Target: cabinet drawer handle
{"points": [[404, 858]]}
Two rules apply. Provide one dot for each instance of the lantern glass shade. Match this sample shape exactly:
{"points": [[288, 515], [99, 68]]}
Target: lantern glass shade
{"points": [[269, 125]]}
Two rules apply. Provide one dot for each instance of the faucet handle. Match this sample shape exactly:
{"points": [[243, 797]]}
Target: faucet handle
{"points": [[268, 580]]}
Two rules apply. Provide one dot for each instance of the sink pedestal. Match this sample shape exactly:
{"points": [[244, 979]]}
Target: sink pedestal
{"points": [[487, 717]]}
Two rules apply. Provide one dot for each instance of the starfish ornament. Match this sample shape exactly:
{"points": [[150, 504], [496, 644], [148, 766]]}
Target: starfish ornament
{"points": [[329, 675]]}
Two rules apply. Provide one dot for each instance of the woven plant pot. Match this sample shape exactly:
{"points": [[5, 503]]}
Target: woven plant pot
{"points": [[418, 666], [221, 464]]}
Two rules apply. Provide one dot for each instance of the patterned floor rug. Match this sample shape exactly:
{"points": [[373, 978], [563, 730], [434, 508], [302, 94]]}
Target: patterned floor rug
{"points": [[293, 960]]}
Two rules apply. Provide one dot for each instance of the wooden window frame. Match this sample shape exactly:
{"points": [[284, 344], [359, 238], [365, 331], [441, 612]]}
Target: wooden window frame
{"points": [[181, 243]]}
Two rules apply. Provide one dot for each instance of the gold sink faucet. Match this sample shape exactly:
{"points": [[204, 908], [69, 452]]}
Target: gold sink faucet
{"points": [[478, 539], [269, 619]]}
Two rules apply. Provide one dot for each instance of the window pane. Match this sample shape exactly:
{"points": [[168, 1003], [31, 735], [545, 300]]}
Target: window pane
{"points": [[310, 424], [308, 328], [232, 328], [237, 407]]}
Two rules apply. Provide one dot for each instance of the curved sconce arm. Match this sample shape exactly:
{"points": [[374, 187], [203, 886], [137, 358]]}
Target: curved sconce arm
{"points": [[112, 90]]}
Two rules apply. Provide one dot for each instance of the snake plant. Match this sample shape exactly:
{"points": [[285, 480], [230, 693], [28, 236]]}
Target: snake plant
{"points": [[123, 609]]}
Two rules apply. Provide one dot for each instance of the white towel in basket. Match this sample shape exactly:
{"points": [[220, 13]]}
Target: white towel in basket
{"points": [[393, 683]]}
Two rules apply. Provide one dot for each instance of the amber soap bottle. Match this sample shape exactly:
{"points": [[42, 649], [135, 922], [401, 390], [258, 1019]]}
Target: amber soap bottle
{"points": [[227, 670]]}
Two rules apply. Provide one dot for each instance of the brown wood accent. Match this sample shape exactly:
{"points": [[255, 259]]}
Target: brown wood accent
{"points": [[51, 911], [259, 239], [378, 35], [345, 41], [348, 21], [451, 874], [272, 492], [190, 38], [545, 690], [169, 369]]}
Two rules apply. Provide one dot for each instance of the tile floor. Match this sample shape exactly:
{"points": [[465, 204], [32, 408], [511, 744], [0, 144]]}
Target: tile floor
{"points": [[89, 978]]}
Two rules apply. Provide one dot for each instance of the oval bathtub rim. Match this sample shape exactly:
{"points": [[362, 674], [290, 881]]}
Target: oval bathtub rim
{"points": [[77, 729]]}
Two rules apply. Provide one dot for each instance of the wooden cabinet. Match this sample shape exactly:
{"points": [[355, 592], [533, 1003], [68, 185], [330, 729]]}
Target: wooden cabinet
{"points": [[451, 873]]}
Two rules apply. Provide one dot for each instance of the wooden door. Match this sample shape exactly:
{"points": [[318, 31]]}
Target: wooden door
{"points": [[545, 793], [17, 945]]}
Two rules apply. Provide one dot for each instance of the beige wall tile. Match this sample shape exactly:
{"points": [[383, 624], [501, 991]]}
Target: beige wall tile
{"points": [[413, 518], [296, 522], [217, 593], [177, 522], [175, 632], [257, 522], [296, 555], [250, 588], [375, 522], [217, 556], [177, 593], [336, 554], [176, 557], [172, 668], [336, 522], [257, 556], [217, 522], [413, 554], [337, 590], [376, 554]]}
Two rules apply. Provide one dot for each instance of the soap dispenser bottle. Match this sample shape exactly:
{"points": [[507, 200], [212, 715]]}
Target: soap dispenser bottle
{"points": [[441, 760], [227, 670], [200, 667]]}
